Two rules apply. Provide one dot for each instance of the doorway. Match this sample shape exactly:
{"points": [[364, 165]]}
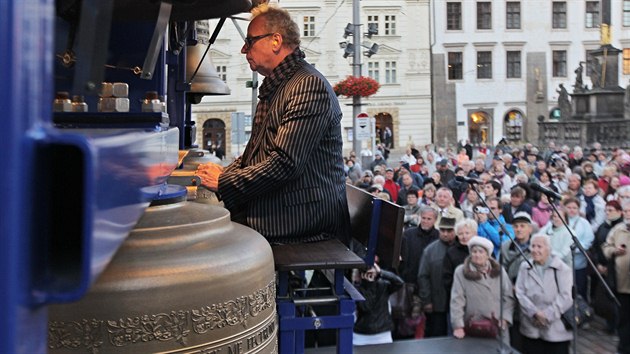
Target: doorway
{"points": [[385, 129], [214, 136]]}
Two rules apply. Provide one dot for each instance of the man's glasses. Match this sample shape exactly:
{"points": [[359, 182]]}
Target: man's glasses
{"points": [[249, 41]]}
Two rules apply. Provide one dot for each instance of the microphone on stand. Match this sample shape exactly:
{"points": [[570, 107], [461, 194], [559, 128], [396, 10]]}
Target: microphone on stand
{"points": [[546, 191], [469, 180]]}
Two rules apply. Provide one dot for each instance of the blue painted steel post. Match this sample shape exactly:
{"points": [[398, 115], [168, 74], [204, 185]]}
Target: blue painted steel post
{"points": [[25, 104]]}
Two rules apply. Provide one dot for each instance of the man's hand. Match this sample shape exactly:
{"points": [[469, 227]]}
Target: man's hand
{"points": [[459, 333], [209, 174]]}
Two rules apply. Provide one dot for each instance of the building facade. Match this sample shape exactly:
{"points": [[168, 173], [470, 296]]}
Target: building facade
{"points": [[402, 66], [498, 65]]}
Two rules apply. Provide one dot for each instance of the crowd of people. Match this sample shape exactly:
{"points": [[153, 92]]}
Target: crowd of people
{"points": [[481, 215]]}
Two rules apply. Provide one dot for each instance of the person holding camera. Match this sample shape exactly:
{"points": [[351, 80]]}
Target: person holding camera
{"points": [[616, 250], [374, 321]]}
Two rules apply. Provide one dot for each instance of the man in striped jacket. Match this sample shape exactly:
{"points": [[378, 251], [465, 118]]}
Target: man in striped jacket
{"points": [[289, 184]]}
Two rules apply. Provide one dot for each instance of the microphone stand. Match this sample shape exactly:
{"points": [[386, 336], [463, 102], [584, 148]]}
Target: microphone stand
{"points": [[502, 232], [577, 244]]}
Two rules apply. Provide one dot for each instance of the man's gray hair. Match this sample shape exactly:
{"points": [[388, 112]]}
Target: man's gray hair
{"points": [[278, 20], [428, 209]]}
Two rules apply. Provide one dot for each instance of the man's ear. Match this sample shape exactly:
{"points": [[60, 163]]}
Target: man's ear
{"points": [[276, 41]]}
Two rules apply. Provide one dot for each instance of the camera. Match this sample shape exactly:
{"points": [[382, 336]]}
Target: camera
{"points": [[481, 210]]}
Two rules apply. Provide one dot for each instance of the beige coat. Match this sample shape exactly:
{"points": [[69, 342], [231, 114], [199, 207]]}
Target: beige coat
{"points": [[619, 235], [542, 294], [476, 296]]}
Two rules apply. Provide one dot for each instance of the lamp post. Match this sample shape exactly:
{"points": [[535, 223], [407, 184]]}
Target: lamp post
{"points": [[356, 72]]}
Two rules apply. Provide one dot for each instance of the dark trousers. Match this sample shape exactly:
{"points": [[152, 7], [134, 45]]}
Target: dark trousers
{"points": [[437, 325], [581, 282], [516, 338], [539, 346], [623, 329]]}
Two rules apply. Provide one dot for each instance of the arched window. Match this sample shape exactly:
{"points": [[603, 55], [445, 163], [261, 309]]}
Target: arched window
{"points": [[479, 125], [513, 125]]}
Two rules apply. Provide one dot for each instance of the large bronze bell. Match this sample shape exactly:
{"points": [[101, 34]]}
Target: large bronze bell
{"points": [[206, 81], [186, 280]]}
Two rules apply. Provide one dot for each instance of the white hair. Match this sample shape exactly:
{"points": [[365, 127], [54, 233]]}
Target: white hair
{"points": [[469, 223]]}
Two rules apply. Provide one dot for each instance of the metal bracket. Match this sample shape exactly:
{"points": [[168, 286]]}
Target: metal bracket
{"points": [[156, 41]]}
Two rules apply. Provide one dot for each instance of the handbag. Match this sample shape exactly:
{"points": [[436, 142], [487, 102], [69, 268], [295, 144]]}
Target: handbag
{"points": [[482, 327], [579, 313]]}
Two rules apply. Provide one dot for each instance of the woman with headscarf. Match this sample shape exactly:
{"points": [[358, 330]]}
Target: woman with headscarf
{"points": [[476, 291], [544, 294]]}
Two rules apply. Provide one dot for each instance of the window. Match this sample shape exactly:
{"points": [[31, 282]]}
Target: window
{"points": [[222, 71], [484, 15], [454, 16], [559, 19], [592, 14], [373, 19], [513, 15], [559, 63], [626, 61], [390, 72], [455, 66], [390, 25], [626, 13], [309, 26], [513, 64], [373, 70], [484, 65]]}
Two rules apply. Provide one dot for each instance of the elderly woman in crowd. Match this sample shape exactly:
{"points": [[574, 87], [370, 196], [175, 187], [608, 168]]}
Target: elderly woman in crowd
{"points": [[559, 236], [544, 293], [476, 291], [465, 229]]}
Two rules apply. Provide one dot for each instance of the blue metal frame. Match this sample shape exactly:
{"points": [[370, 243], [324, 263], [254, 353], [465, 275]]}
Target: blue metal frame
{"points": [[118, 171], [292, 326]]}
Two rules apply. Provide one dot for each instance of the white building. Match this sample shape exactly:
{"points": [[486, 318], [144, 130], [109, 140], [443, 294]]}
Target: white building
{"points": [[402, 66], [497, 65]]}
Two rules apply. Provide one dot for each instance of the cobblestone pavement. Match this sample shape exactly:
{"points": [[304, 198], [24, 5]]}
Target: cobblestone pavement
{"points": [[595, 340]]}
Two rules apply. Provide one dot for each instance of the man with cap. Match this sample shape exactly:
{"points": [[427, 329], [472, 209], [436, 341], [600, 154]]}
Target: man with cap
{"points": [[390, 185], [378, 160], [512, 259], [430, 285], [446, 173], [366, 180]]}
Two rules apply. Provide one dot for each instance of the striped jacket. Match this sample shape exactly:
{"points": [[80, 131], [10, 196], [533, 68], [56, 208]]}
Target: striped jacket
{"points": [[289, 184]]}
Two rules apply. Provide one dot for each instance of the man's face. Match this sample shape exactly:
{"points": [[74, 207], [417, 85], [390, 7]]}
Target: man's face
{"points": [[443, 199], [407, 181], [427, 220], [522, 231], [488, 190], [389, 175], [479, 165], [626, 214], [494, 206], [412, 199], [259, 54], [447, 235]]}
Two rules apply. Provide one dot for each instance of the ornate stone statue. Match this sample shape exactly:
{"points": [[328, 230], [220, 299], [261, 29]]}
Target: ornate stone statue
{"points": [[579, 83], [596, 72], [564, 103], [539, 86]]}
